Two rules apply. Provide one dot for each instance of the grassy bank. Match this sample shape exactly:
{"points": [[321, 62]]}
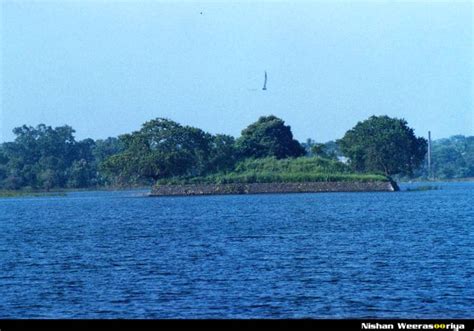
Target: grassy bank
{"points": [[271, 170]]}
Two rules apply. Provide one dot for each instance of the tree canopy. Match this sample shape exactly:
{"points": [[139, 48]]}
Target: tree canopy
{"points": [[163, 148], [43, 157], [451, 158], [46, 157], [268, 137], [385, 145], [328, 150]]}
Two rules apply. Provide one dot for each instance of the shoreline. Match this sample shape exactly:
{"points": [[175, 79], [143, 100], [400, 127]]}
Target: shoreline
{"points": [[63, 191], [266, 188]]}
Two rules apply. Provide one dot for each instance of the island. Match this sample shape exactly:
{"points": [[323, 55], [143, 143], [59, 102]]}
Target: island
{"points": [[175, 159], [270, 175]]}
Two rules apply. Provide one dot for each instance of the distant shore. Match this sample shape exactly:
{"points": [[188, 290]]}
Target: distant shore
{"points": [[56, 192]]}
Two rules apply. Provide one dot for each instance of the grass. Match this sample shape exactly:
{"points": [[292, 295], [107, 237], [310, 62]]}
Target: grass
{"points": [[271, 170], [298, 165]]}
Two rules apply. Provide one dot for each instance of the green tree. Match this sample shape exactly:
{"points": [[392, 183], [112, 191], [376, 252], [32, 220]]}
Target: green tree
{"points": [[268, 137], [3, 165], [39, 156], [318, 150], [46, 157], [307, 145], [104, 148], [101, 151], [161, 148], [453, 157], [328, 150], [332, 150], [82, 174], [223, 153], [383, 144]]}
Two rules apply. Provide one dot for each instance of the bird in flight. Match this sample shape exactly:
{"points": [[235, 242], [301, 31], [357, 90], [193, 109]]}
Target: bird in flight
{"points": [[265, 82]]}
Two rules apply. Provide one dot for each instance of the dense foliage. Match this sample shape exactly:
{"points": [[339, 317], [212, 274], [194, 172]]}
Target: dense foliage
{"points": [[46, 157], [269, 136], [163, 148], [43, 157], [451, 158], [328, 150], [383, 144]]}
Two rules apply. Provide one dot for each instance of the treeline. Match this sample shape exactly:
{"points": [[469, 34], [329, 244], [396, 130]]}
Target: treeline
{"points": [[451, 158], [43, 157]]}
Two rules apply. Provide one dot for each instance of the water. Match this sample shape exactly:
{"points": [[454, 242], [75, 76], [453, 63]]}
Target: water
{"points": [[334, 255]]}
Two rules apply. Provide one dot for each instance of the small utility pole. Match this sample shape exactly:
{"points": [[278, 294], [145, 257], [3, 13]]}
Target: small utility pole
{"points": [[430, 173]]}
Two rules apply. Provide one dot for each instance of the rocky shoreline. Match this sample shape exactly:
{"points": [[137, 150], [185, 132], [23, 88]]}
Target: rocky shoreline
{"points": [[262, 188]]}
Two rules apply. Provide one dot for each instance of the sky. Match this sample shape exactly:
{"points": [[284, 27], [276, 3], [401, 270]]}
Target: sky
{"points": [[106, 67]]}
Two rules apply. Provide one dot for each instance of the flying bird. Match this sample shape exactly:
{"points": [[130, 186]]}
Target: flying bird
{"points": [[265, 82]]}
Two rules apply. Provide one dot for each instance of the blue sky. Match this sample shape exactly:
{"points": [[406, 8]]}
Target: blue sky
{"points": [[106, 67]]}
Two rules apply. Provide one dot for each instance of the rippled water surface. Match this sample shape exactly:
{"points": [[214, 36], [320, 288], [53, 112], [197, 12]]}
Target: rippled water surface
{"points": [[325, 255]]}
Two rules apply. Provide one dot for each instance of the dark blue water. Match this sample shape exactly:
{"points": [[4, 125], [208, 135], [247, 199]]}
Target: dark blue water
{"points": [[335, 255]]}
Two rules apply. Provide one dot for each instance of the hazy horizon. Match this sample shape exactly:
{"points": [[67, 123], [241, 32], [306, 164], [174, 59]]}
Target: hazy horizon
{"points": [[104, 68]]}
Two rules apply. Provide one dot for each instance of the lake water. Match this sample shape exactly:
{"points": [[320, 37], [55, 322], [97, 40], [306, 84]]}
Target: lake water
{"points": [[323, 255]]}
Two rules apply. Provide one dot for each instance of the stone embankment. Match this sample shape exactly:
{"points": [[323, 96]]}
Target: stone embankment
{"points": [[259, 188]]}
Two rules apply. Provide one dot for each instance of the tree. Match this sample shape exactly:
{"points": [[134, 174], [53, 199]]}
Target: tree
{"points": [[39, 156], [46, 157], [82, 174], [105, 148], [332, 150], [453, 157], [318, 150], [161, 148], [267, 137], [223, 153], [383, 144], [328, 150]]}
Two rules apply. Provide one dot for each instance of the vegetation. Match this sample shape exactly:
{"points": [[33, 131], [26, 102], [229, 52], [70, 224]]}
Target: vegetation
{"points": [[270, 170], [328, 150], [46, 158], [451, 158], [383, 144], [269, 136], [163, 149]]}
